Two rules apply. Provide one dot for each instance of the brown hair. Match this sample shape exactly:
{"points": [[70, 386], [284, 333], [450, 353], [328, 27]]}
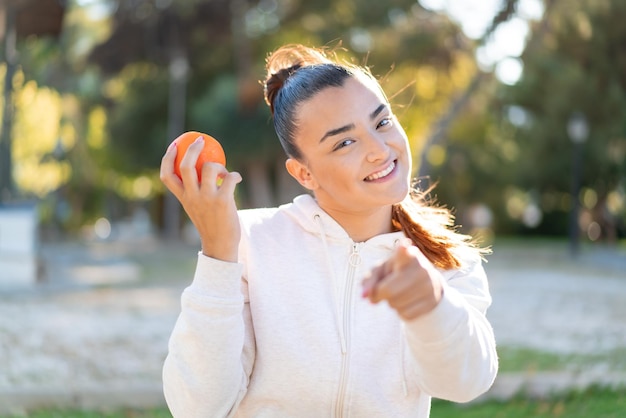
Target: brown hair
{"points": [[296, 73], [431, 229]]}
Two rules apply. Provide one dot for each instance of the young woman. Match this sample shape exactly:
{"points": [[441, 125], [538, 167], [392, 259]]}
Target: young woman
{"points": [[357, 299]]}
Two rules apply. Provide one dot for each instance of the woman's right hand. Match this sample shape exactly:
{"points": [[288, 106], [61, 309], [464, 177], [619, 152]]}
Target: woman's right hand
{"points": [[211, 207]]}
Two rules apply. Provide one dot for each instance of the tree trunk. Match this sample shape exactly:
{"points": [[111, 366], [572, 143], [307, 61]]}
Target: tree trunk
{"points": [[10, 59], [178, 70], [258, 185], [286, 186]]}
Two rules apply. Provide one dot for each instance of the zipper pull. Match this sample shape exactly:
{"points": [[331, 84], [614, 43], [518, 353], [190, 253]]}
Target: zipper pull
{"points": [[355, 257]]}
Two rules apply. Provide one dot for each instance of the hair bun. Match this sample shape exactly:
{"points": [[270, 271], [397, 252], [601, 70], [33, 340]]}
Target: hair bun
{"points": [[282, 63], [276, 81]]}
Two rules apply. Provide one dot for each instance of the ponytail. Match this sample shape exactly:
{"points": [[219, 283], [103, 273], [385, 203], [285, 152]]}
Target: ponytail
{"points": [[431, 229]]}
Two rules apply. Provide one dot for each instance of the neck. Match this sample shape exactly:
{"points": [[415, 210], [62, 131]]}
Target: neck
{"points": [[363, 225]]}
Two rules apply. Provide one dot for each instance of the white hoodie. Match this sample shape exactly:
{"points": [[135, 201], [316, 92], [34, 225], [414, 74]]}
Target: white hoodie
{"points": [[286, 333]]}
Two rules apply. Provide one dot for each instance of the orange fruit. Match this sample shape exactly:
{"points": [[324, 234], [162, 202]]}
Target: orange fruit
{"points": [[212, 151]]}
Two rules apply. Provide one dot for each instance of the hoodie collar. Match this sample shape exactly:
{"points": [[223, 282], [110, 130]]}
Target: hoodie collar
{"points": [[304, 210]]}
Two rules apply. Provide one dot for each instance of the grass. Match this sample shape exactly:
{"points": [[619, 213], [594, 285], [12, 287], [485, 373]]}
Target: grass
{"points": [[166, 263], [595, 402], [126, 413], [516, 359]]}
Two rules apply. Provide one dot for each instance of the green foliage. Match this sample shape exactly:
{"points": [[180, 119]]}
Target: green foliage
{"points": [[249, 136], [137, 123], [226, 57], [510, 148], [575, 62], [578, 66]]}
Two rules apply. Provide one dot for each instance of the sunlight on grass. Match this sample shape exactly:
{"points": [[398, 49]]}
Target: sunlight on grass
{"points": [[594, 402], [518, 359]]}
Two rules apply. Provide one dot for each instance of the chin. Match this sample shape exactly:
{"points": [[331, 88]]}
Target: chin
{"points": [[398, 195], [404, 188]]}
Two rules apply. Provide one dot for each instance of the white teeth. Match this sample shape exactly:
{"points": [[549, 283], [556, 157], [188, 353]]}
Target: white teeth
{"points": [[383, 173]]}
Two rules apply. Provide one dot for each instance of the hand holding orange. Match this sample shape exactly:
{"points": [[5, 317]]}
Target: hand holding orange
{"points": [[212, 151]]}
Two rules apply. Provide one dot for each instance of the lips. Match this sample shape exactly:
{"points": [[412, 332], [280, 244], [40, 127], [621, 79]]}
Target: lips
{"points": [[382, 173]]}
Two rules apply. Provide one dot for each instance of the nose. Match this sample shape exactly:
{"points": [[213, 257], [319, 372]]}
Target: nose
{"points": [[377, 148]]}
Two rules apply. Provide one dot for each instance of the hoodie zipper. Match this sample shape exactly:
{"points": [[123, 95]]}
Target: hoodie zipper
{"points": [[353, 261]]}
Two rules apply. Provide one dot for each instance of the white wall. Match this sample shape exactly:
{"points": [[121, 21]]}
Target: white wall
{"points": [[18, 245]]}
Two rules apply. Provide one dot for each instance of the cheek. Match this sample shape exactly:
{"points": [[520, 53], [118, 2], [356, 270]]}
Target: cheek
{"points": [[335, 175], [401, 144]]}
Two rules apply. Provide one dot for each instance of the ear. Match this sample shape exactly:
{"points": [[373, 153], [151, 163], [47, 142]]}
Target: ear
{"points": [[301, 173]]}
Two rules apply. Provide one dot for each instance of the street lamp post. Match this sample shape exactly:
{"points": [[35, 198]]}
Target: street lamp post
{"points": [[578, 131]]}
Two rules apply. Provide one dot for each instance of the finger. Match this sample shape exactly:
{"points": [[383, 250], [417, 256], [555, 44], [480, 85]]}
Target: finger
{"points": [[371, 280], [166, 173], [229, 182], [215, 175], [188, 163], [211, 175], [413, 251], [407, 277], [403, 262], [395, 263], [397, 285], [404, 300], [404, 254], [424, 294]]}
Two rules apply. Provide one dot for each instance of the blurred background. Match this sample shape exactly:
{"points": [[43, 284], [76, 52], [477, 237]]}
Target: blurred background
{"points": [[515, 108]]}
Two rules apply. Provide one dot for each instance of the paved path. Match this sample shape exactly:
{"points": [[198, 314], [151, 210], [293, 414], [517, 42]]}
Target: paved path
{"points": [[545, 300], [94, 334]]}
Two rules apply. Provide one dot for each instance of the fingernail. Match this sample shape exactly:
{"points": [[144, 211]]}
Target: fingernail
{"points": [[366, 293], [172, 145], [199, 139]]}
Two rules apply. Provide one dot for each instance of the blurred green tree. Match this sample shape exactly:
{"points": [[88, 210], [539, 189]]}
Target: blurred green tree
{"points": [[224, 44], [54, 95], [511, 149], [578, 68]]}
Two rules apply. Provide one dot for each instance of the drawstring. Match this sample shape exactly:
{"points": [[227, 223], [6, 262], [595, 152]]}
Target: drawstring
{"points": [[402, 348], [402, 345], [342, 338]]}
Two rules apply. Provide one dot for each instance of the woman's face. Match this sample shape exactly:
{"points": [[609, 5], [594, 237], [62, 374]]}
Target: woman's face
{"points": [[355, 154]]}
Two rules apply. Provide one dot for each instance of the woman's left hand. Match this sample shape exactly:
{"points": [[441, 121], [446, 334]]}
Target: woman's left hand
{"points": [[407, 281]]}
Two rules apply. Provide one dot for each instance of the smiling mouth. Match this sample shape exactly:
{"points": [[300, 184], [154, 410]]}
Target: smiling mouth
{"points": [[382, 173]]}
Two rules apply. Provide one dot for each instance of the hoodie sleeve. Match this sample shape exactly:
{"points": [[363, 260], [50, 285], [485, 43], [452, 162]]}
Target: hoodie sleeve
{"points": [[211, 349], [453, 346]]}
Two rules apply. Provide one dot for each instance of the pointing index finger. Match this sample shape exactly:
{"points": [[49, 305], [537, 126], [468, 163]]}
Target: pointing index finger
{"points": [[404, 254]]}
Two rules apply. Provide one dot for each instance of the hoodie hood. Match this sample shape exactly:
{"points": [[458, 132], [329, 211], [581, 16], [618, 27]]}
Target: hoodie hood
{"points": [[305, 211]]}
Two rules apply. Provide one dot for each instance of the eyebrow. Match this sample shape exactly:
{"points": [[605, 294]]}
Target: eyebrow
{"points": [[350, 126]]}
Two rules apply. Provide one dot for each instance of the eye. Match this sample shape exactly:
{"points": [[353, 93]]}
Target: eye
{"points": [[342, 144], [388, 121]]}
